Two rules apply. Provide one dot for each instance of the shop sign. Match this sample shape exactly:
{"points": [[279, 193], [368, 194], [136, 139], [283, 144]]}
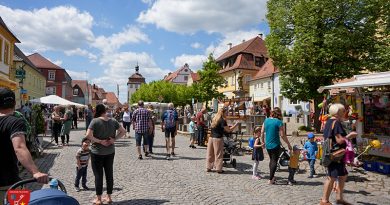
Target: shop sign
{"points": [[20, 73], [23, 91]]}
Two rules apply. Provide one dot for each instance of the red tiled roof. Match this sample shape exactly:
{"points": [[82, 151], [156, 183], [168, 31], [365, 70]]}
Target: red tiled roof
{"points": [[112, 99], [21, 55], [242, 62], [83, 84], [2, 23], [41, 62], [255, 46], [195, 77], [173, 75], [266, 70]]}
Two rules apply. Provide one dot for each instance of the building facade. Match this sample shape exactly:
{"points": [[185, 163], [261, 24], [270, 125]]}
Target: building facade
{"points": [[134, 83], [58, 81], [242, 61], [7, 43], [81, 92], [34, 83], [180, 76]]}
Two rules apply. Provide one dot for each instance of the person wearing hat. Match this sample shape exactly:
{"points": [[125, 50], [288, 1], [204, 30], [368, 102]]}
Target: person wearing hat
{"points": [[311, 150], [293, 164], [13, 145]]}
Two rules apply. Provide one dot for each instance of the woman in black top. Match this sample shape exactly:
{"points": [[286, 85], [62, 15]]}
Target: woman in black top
{"points": [[215, 142], [336, 170]]}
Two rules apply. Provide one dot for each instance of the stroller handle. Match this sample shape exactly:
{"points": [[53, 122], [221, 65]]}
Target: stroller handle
{"points": [[28, 181]]}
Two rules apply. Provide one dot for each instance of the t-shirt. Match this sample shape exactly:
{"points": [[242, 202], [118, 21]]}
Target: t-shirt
{"points": [[69, 115], [219, 130], [10, 126], [311, 148], [200, 119], [271, 128], [331, 133], [88, 113], [126, 116], [294, 160], [83, 156], [103, 130], [191, 128]]}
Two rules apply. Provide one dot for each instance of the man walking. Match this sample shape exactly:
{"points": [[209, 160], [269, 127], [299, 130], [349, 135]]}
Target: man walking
{"points": [[169, 124], [142, 124], [201, 126], [13, 145], [88, 116]]}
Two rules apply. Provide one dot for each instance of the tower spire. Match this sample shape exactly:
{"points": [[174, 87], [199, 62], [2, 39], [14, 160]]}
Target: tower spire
{"points": [[137, 68]]}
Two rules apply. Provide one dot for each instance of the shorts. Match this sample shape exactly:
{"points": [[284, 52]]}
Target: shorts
{"points": [[170, 132], [193, 136], [138, 139], [336, 169]]}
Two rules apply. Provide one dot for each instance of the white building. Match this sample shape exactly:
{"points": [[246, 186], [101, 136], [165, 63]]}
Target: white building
{"points": [[180, 76], [134, 83]]}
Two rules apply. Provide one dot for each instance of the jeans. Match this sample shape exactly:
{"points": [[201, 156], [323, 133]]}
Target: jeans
{"points": [[87, 122], [81, 174], [126, 125], [63, 139], [273, 160], [312, 163], [150, 142], [100, 163], [139, 137], [56, 131], [200, 135], [291, 173]]}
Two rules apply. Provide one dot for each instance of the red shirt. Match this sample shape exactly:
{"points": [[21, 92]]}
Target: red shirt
{"points": [[200, 119]]}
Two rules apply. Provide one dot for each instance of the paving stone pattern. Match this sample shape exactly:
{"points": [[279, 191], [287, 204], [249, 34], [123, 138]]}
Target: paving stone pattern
{"points": [[183, 180]]}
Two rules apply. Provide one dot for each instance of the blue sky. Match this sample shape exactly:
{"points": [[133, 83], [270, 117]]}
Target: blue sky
{"points": [[102, 40]]}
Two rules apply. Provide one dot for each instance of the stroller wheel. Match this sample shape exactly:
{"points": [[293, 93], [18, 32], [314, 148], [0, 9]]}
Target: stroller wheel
{"points": [[234, 163]]}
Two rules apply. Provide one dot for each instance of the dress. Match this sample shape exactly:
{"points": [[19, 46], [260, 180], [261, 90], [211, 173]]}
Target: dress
{"points": [[66, 126], [258, 154]]}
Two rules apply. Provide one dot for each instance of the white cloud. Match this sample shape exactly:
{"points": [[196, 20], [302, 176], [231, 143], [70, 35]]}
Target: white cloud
{"points": [[236, 37], [188, 16], [194, 61], [196, 45], [149, 2], [131, 34], [60, 28], [81, 52], [76, 75]]}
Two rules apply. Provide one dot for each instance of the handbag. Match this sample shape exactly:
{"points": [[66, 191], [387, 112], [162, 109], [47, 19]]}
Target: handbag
{"points": [[331, 153]]}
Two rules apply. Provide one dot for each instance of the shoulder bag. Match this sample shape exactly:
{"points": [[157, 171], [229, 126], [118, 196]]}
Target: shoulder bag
{"points": [[330, 153]]}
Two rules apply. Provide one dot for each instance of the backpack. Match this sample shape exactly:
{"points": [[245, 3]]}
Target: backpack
{"points": [[170, 119]]}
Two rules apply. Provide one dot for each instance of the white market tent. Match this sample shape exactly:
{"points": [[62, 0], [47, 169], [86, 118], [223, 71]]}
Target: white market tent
{"points": [[366, 80], [56, 100]]}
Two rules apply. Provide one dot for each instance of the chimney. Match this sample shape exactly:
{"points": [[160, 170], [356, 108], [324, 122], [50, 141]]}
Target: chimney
{"points": [[261, 35], [243, 40], [230, 45]]}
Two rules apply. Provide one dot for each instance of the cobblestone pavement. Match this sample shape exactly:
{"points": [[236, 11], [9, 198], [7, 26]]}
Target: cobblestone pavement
{"points": [[183, 179]]}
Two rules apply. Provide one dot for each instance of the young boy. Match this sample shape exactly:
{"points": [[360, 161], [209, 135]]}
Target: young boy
{"points": [[82, 158], [311, 150], [293, 164], [192, 131]]}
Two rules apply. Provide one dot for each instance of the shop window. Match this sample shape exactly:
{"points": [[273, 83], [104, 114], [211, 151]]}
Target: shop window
{"points": [[51, 75], [6, 53]]}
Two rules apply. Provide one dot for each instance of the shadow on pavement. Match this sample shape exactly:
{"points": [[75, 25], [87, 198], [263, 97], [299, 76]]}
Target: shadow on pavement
{"points": [[357, 192], [310, 183], [142, 201]]}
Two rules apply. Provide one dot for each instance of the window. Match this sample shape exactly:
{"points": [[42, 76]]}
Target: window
{"points": [[136, 86], [269, 85], [294, 102], [259, 61], [131, 85], [51, 75], [262, 85], [6, 53], [247, 78], [76, 91], [1, 49], [186, 77], [50, 90], [232, 82]]}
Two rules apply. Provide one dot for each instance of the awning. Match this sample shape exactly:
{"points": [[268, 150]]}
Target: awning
{"points": [[261, 98], [5, 82], [56, 100], [367, 80]]}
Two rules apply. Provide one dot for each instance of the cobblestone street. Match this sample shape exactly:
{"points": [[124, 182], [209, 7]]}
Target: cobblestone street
{"points": [[183, 179]]}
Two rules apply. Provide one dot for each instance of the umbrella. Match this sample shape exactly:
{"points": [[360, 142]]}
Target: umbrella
{"points": [[54, 99]]}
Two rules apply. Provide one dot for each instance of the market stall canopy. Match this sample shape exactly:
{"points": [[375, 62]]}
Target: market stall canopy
{"points": [[367, 80], [56, 100]]}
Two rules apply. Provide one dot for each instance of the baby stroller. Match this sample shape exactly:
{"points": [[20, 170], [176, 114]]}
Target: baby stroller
{"points": [[230, 146], [47, 196], [284, 158]]}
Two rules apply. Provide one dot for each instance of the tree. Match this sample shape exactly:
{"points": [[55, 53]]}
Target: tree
{"points": [[210, 80], [315, 43]]}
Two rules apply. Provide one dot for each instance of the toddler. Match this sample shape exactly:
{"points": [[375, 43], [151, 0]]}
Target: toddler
{"points": [[192, 132], [257, 155], [293, 164], [311, 150], [82, 158]]}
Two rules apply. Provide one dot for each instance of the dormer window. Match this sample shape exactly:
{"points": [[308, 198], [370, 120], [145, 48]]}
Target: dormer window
{"points": [[75, 91], [258, 61]]}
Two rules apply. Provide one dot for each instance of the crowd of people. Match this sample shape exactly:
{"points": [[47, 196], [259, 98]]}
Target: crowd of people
{"points": [[104, 127]]}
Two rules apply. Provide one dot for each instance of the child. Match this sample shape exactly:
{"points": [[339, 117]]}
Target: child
{"points": [[257, 155], [192, 132], [311, 150], [293, 164], [82, 158]]}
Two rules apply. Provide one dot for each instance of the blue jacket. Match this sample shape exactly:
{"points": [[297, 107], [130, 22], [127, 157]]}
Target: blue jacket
{"points": [[311, 148]]}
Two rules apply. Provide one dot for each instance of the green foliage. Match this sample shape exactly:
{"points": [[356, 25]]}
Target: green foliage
{"points": [[37, 119], [317, 42]]}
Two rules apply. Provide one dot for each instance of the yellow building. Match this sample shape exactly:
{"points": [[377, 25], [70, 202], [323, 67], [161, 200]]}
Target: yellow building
{"points": [[7, 42], [243, 60], [34, 83]]}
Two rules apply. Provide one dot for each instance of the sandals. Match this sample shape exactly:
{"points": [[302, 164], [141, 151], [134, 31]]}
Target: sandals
{"points": [[107, 201], [97, 202]]}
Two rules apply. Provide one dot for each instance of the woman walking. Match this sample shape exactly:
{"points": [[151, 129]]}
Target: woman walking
{"points": [[336, 170], [102, 132], [57, 124], [215, 142], [66, 125], [273, 129], [126, 120]]}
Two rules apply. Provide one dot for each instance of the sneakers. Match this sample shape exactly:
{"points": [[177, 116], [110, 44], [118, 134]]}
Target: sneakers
{"points": [[256, 177], [139, 156], [168, 157], [85, 188], [310, 176], [290, 183], [147, 154], [172, 153], [77, 189], [192, 146]]}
